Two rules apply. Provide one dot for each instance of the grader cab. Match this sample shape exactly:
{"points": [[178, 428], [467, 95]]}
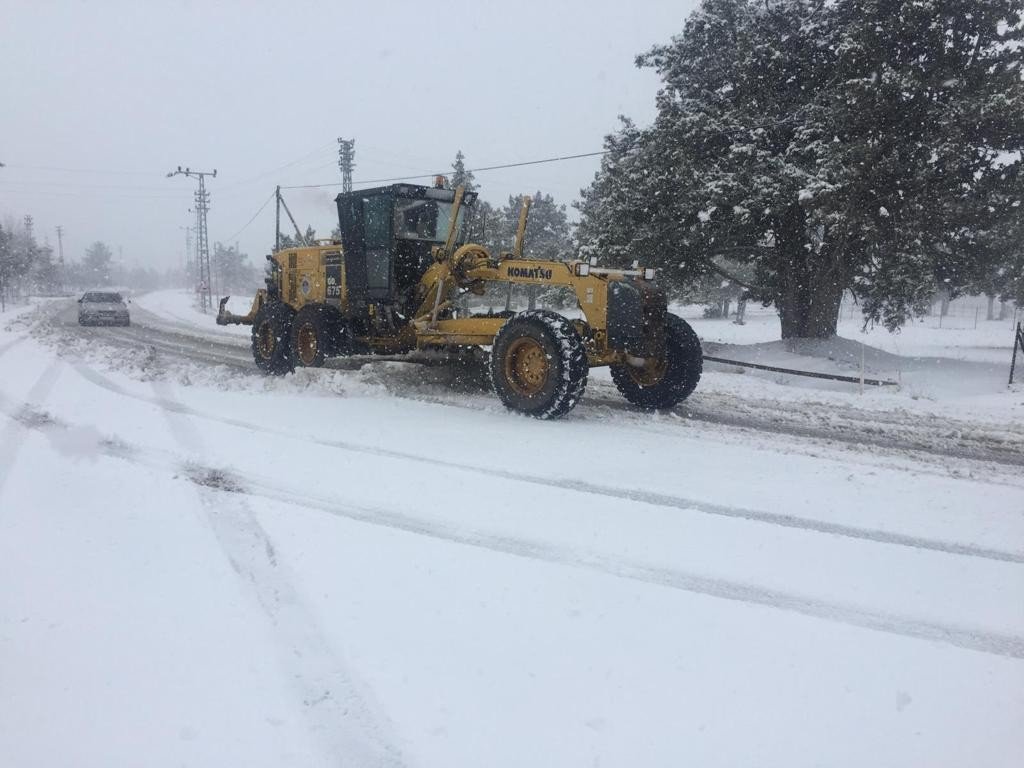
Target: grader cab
{"points": [[402, 278]]}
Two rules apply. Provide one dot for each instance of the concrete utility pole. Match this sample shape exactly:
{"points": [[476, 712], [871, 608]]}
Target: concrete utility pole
{"points": [[202, 198], [60, 257], [346, 162]]}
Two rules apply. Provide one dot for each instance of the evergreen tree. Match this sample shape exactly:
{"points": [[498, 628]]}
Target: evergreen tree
{"points": [[6, 266], [485, 226], [290, 241], [97, 264], [547, 228], [831, 146], [232, 270], [44, 275], [461, 176]]}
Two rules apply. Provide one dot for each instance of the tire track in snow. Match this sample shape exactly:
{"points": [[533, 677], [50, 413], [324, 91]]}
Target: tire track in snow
{"points": [[12, 343], [583, 486], [222, 485], [335, 707], [25, 416], [1000, 644]]}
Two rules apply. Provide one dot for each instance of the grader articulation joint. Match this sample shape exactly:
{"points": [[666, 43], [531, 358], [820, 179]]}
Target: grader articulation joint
{"points": [[401, 278]]}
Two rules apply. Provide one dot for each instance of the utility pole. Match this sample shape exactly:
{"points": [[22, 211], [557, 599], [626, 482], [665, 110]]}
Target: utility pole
{"points": [[60, 257], [346, 162], [202, 198]]}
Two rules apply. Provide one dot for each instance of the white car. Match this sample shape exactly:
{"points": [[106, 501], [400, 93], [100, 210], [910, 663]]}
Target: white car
{"points": [[102, 308]]}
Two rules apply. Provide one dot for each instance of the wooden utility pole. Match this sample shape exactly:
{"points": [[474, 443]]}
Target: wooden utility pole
{"points": [[60, 258]]}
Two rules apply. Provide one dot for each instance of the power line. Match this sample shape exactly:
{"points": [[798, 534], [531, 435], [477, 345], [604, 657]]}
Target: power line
{"points": [[250, 221], [281, 167], [105, 171], [471, 170]]}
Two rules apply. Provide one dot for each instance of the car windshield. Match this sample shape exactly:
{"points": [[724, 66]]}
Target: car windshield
{"points": [[102, 298], [424, 219]]}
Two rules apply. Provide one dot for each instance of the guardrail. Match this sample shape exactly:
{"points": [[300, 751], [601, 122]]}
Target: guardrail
{"points": [[809, 374]]}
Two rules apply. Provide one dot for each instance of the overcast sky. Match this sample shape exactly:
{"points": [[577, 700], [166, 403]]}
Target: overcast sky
{"points": [[101, 99]]}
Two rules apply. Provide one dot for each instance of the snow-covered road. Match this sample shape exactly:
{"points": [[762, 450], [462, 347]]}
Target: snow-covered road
{"points": [[205, 567]]}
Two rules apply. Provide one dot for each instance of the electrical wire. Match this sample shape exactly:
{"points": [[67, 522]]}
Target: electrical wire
{"points": [[470, 170], [250, 221], [82, 170], [304, 158]]}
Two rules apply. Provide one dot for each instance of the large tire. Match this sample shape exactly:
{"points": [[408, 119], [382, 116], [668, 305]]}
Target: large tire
{"points": [[539, 364], [312, 336], [271, 329], [673, 378]]}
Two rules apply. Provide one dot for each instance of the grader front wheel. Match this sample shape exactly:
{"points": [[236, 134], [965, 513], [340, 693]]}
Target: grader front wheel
{"points": [[270, 332], [539, 364], [663, 382]]}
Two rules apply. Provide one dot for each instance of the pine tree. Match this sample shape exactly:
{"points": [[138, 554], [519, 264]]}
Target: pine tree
{"points": [[461, 176], [97, 264], [831, 146], [6, 266], [289, 241], [547, 228], [232, 270], [44, 275]]}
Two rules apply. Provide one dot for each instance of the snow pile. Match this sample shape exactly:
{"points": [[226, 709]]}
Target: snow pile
{"points": [[181, 307]]}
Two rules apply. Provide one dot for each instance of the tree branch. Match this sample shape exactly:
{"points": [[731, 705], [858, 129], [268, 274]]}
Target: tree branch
{"points": [[726, 274], [745, 249]]}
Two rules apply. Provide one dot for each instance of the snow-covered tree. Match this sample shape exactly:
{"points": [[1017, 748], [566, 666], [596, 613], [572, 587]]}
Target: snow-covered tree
{"points": [[44, 276], [292, 241], [6, 265], [547, 227], [460, 175], [232, 270], [862, 145], [97, 264]]}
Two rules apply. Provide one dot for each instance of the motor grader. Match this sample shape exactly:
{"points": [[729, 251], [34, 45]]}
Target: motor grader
{"points": [[401, 279]]}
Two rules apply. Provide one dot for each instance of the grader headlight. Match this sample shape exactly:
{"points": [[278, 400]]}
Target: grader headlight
{"points": [[582, 269]]}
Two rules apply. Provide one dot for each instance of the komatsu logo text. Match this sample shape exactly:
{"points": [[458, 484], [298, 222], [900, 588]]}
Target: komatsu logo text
{"points": [[533, 273]]}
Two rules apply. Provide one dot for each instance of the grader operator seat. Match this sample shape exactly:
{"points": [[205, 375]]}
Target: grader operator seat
{"points": [[387, 234]]}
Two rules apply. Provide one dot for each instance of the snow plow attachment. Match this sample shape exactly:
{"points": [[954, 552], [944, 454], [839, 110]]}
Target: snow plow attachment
{"points": [[229, 318]]}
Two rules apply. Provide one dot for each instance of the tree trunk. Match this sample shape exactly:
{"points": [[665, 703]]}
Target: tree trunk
{"points": [[811, 284], [990, 314], [810, 313]]}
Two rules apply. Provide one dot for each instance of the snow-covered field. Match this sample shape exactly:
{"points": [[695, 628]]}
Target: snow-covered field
{"points": [[368, 566]]}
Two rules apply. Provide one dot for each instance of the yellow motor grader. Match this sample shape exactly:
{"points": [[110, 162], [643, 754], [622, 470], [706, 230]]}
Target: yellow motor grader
{"points": [[402, 279]]}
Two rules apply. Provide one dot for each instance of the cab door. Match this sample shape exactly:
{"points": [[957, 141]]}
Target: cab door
{"points": [[366, 238], [377, 236]]}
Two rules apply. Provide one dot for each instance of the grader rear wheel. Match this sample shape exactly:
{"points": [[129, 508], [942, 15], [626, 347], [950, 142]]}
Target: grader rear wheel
{"points": [[310, 338], [539, 365]]}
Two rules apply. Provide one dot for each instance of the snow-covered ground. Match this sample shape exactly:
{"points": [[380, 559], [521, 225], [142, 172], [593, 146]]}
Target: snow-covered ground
{"points": [[368, 567]]}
